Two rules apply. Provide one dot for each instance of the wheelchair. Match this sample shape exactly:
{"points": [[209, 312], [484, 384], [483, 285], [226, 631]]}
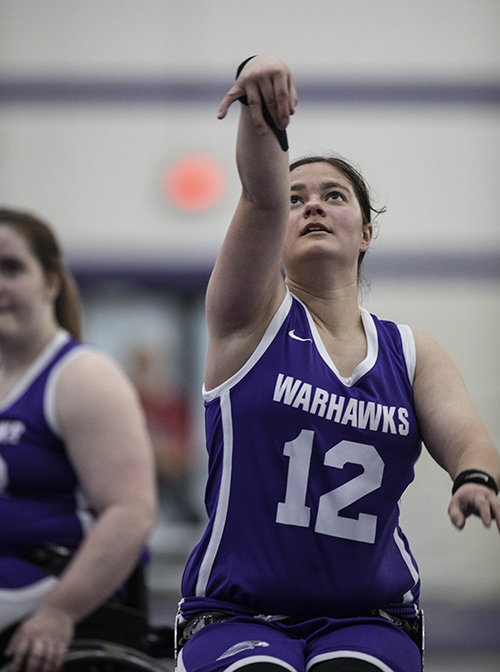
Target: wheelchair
{"points": [[116, 637]]}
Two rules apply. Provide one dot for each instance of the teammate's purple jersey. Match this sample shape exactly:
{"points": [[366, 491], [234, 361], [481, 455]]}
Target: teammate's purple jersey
{"points": [[306, 470], [40, 502]]}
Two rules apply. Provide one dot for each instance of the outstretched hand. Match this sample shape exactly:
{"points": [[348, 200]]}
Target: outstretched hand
{"points": [[40, 642], [264, 78], [477, 500]]}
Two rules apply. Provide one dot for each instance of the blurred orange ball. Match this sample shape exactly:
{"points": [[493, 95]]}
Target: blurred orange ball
{"points": [[194, 183]]}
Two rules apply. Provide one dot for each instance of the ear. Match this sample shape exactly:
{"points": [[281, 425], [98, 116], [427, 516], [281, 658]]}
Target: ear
{"points": [[367, 236], [52, 285]]}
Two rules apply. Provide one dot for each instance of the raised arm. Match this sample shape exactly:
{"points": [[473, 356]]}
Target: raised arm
{"points": [[454, 433], [103, 429], [246, 286]]}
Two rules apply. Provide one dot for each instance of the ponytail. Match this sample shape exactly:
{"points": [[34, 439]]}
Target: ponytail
{"points": [[68, 306]]}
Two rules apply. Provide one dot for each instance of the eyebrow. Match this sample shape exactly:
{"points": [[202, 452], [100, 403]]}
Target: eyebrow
{"points": [[324, 186]]}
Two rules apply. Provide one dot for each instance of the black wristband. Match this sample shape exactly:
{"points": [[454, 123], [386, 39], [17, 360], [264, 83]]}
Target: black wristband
{"points": [[474, 476], [280, 134], [242, 65]]}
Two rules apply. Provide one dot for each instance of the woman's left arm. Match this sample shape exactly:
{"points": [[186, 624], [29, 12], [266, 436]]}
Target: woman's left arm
{"points": [[102, 425], [453, 432]]}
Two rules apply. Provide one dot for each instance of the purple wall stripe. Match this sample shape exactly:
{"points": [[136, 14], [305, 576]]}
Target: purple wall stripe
{"points": [[172, 91], [377, 266]]}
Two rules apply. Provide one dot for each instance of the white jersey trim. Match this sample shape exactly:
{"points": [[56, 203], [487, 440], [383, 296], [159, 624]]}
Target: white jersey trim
{"points": [[60, 339], [356, 655], [49, 403], [83, 506], [360, 370], [249, 660], [409, 350], [408, 597], [223, 500], [371, 347], [17, 603]]}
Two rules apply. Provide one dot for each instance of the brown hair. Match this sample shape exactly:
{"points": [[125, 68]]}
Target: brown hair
{"points": [[356, 180], [45, 247]]}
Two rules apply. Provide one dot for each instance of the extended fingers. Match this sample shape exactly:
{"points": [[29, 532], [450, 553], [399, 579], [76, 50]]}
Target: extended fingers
{"points": [[476, 500], [482, 504], [28, 655], [233, 94], [36, 657], [255, 96], [40, 656], [54, 657], [280, 97], [252, 94], [456, 514], [264, 80], [35, 653], [495, 510]]}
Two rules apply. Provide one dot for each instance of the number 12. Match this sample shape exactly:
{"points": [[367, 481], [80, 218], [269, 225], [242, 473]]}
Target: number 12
{"points": [[293, 511]]}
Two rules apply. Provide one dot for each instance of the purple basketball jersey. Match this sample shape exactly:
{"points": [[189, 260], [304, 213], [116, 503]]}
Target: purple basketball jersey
{"points": [[306, 470], [40, 502]]}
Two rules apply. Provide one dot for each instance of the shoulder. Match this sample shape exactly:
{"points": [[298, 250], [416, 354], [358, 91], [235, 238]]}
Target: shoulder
{"points": [[428, 349], [84, 360], [435, 369], [227, 356], [422, 342], [90, 383]]}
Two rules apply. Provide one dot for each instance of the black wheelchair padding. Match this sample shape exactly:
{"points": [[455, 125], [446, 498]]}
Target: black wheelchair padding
{"points": [[116, 623]]}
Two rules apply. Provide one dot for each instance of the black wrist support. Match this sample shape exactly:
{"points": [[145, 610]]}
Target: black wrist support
{"points": [[474, 476], [280, 135]]}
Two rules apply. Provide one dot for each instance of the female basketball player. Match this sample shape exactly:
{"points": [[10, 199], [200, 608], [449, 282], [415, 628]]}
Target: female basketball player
{"points": [[315, 413], [75, 462]]}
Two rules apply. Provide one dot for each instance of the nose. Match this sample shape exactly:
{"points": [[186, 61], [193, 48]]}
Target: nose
{"points": [[313, 207]]}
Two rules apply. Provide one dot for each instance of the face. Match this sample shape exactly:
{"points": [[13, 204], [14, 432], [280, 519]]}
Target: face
{"points": [[27, 295], [325, 216]]}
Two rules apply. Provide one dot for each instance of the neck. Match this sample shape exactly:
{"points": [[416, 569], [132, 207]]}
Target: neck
{"points": [[334, 308], [17, 354]]}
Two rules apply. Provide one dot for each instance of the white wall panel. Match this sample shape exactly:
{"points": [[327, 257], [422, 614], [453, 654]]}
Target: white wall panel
{"points": [[95, 173], [458, 38]]}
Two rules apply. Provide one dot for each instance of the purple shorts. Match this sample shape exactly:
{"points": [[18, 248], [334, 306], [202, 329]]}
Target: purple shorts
{"points": [[244, 640]]}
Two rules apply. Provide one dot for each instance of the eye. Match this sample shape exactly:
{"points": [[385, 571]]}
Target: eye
{"points": [[11, 266], [335, 196], [294, 199]]}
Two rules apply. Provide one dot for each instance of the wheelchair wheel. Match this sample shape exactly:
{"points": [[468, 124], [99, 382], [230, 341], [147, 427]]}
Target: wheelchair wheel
{"points": [[101, 656]]}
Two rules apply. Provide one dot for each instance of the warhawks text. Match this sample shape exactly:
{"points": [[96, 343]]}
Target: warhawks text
{"points": [[357, 413]]}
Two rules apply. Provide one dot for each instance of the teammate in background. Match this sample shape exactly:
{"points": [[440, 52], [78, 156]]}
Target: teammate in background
{"points": [[315, 413], [76, 467]]}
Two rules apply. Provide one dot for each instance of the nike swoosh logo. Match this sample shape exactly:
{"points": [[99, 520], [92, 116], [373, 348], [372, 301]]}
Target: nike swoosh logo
{"points": [[298, 338]]}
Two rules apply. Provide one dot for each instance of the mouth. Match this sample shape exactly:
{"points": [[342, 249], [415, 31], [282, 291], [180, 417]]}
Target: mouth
{"points": [[314, 227]]}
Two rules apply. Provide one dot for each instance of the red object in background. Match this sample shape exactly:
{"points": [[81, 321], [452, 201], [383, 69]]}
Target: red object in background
{"points": [[194, 183]]}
